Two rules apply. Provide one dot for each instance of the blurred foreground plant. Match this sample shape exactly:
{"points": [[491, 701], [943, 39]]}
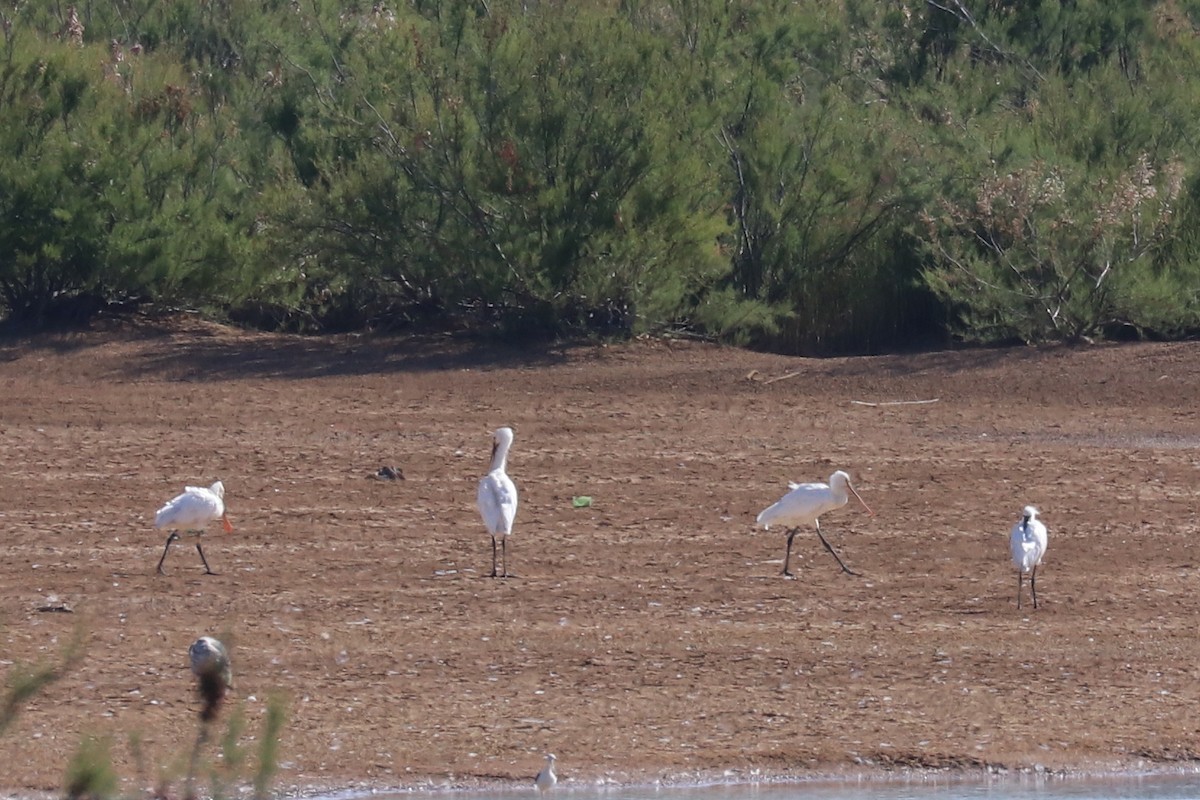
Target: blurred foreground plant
{"points": [[90, 772], [24, 683], [211, 665]]}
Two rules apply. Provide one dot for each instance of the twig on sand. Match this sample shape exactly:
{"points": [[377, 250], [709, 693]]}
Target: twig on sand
{"points": [[784, 377], [896, 402]]}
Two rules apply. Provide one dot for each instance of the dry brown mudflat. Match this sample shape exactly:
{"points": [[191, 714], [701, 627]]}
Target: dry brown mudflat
{"points": [[649, 636]]}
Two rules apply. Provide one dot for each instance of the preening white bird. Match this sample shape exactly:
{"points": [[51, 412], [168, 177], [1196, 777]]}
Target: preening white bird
{"points": [[546, 778], [804, 504], [191, 512], [1028, 545], [497, 498]]}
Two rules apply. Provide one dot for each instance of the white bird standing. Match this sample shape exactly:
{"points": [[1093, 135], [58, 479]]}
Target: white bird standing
{"points": [[191, 512], [546, 778], [804, 504], [1028, 544], [497, 498]]}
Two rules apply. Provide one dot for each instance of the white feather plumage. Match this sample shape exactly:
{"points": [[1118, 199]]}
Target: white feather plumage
{"points": [[804, 504], [497, 496], [191, 512], [1027, 546]]}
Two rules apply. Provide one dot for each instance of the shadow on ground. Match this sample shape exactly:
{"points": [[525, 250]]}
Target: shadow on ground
{"points": [[323, 357]]}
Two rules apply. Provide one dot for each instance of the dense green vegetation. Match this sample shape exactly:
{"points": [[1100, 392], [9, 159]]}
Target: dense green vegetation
{"points": [[798, 175]]}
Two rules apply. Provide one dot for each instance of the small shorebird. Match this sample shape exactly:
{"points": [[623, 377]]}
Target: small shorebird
{"points": [[804, 504], [497, 497], [546, 778], [210, 665], [209, 657], [191, 512], [1028, 544]]}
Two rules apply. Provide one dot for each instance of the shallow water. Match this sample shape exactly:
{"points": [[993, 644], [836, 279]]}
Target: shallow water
{"points": [[1147, 787]]}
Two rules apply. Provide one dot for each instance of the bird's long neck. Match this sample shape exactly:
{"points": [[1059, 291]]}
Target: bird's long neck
{"points": [[499, 456]]}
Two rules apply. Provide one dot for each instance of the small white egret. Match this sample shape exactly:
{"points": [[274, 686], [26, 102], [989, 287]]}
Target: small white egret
{"points": [[1028, 544], [546, 778], [497, 497], [804, 504], [191, 512]]}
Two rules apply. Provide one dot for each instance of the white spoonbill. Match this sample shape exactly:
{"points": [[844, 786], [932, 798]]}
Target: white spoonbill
{"points": [[497, 498], [546, 778], [804, 504], [1028, 543], [191, 512]]}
